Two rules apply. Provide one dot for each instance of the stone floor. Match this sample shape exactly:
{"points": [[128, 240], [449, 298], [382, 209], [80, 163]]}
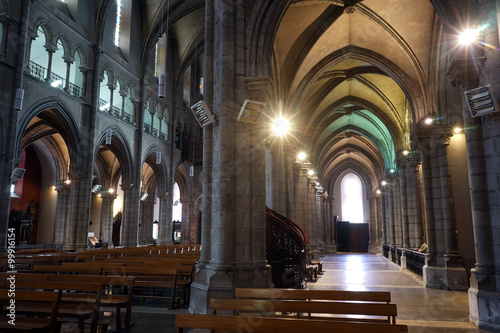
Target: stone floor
{"points": [[422, 309]]}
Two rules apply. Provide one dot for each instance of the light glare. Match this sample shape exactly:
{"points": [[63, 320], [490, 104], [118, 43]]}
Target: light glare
{"points": [[301, 156], [468, 36], [280, 126]]}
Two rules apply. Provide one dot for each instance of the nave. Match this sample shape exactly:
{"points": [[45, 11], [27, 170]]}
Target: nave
{"points": [[422, 309]]}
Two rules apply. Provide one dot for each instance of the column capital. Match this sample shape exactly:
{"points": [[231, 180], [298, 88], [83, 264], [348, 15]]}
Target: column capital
{"points": [[127, 187], [68, 59], [162, 195], [260, 88], [465, 71]]}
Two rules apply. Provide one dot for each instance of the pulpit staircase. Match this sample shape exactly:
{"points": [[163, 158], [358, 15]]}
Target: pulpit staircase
{"points": [[285, 251]]}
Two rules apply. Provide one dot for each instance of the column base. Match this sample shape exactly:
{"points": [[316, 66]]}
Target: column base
{"points": [[330, 248], [374, 249], [450, 278], [484, 300], [321, 249], [219, 282]]}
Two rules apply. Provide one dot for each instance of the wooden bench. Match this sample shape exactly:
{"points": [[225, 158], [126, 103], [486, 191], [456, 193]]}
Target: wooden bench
{"points": [[80, 301], [306, 294], [274, 325], [121, 300], [345, 311], [152, 281], [30, 323]]}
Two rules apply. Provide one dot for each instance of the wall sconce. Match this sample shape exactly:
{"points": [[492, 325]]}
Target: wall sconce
{"points": [[111, 190], [109, 134], [383, 182], [67, 181], [481, 101], [202, 113], [162, 88], [96, 188], [17, 174], [144, 196]]}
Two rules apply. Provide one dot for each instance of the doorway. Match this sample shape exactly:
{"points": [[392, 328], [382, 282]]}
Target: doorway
{"points": [[352, 237]]}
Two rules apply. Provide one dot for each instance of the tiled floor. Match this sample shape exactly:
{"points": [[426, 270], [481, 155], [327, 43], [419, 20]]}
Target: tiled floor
{"points": [[422, 309]]}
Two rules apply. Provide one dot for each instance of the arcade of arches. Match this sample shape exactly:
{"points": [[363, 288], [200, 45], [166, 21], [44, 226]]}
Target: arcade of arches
{"points": [[396, 116]]}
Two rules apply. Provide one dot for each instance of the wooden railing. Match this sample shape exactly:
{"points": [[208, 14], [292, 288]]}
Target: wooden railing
{"points": [[285, 251]]}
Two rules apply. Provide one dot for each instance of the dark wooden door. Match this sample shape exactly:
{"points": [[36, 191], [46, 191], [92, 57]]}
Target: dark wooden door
{"points": [[343, 237], [359, 237]]}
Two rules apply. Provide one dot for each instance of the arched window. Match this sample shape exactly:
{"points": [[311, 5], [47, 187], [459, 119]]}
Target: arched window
{"points": [[117, 99], [58, 72], [39, 57], [177, 205], [164, 126], [104, 93], [156, 121], [123, 24], [76, 76], [128, 110], [352, 198], [147, 116]]}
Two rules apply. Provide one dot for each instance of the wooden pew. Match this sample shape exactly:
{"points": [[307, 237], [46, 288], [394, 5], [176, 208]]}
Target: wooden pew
{"points": [[153, 281], [30, 323], [274, 325], [306, 294], [85, 305], [114, 300], [345, 311]]}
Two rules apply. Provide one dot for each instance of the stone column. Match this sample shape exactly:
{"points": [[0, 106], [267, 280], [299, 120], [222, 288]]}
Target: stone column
{"points": [[165, 218], [481, 133], [130, 218], [374, 225], [238, 222], [300, 181], [78, 222], [312, 240], [85, 70], [112, 87], [330, 245], [404, 202], [63, 209], [414, 215], [146, 221], [320, 222], [50, 50], [69, 61], [187, 222], [106, 231]]}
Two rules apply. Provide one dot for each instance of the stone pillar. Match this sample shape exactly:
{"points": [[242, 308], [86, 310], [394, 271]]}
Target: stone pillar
{"points": [[130, 218], [320, 222], [396, 202], [69, 61], [112, 87], [146, 221], [85, 70], [414, 213], [481, 133], [50, 50], [374, 225], [106, 231], [330, 245], [238, 222], [63, 209], [187, 222], [404, 202], [165, 218], [78, 222], [312, 240], [300, 189]]}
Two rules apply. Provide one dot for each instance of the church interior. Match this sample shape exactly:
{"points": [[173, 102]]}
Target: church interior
{"points": [[265, 140]]}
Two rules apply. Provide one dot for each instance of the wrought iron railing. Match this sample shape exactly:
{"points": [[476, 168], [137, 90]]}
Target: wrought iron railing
{"points": [[37, 71], [285, 251], [385, 250], [399, 254], [415, 261], [115, 111], [154, 132], [147, 128], [57, 81], [163, 137], [103, 105], [127, 118], [75, 90]]}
